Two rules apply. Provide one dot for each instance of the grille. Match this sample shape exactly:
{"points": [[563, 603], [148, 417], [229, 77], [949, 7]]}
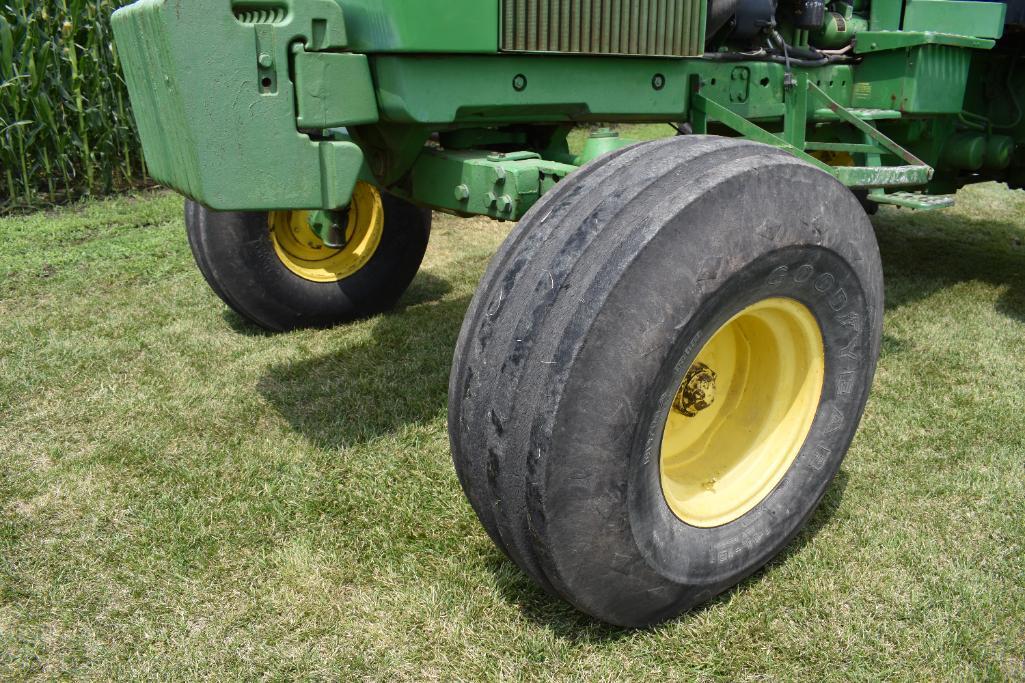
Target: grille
{"points": [[260, 15], [620, 27]]}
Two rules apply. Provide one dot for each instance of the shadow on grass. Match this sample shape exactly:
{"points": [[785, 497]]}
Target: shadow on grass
{"points": [[425, 288], [923, 254], [375, 383]]}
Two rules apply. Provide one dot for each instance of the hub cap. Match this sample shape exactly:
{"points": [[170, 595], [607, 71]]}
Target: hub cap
{"points": [[742, 412]]}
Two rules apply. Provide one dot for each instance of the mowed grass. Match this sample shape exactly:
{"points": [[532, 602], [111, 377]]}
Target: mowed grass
{"points": [[183, 496]]}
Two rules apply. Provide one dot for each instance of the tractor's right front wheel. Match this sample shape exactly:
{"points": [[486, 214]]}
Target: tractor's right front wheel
{"points": [[662, 370]]}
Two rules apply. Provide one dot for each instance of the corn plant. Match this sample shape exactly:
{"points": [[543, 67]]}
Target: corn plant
{"points": [[65, 125]]}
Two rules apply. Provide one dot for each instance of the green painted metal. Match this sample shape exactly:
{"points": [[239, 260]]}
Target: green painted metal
{"points": [[496, 184], [486, 90], [839, 28], [925, 79], [965, 150], [885, 15], [215, 105], [275, 104], [912, 200], [610, 27], [880, 41], [333, 90], [414, 26], [480, 90], [910, 172], [980, 19], [999, 151], [707, 111], [599, 143], [327, 225], [865, 128], [861, 113]]}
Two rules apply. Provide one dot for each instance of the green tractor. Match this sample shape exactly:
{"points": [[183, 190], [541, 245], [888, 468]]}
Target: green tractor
{"points": [[666, 362]]}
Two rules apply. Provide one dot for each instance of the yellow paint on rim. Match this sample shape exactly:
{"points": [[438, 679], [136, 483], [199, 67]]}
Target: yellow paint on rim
{"points": [[742, 412], [303, 252]]}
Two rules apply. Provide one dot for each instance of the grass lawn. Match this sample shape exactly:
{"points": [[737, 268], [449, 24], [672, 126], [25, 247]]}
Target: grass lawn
{"points": [[183, 496]]}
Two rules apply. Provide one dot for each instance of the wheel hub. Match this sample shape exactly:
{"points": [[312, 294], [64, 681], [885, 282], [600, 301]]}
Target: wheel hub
{"points": [[314, 245], [733, 431], [697, 391]]}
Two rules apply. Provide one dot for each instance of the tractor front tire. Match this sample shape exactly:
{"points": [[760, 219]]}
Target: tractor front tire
{"points": [[662, 370], [274, 271]]}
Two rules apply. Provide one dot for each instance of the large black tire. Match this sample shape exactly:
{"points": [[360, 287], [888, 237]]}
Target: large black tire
{"points": [[583, 329], [236, 256]]}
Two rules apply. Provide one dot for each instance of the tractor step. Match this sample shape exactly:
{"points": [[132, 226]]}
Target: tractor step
{"points": [[914, 200], [827, 114]]}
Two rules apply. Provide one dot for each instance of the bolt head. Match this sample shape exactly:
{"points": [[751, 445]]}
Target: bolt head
{"points": [[505, 203], [265, 60], [462, 192]]}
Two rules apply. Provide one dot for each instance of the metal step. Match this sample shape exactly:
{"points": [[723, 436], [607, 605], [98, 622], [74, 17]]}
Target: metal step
{"points": [[914, 200], [883, 176], [863, 114]]}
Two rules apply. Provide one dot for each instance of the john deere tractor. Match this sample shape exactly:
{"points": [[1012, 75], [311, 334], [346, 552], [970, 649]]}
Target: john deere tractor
{"points": [[666, 361]]}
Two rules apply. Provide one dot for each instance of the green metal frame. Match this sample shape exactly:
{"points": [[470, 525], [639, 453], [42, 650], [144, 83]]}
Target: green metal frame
{"points": [[912, 172], [280, 104]]}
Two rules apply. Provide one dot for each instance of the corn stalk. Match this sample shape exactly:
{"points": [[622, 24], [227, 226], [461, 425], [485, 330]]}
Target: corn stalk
{"points": [[65, 125]]}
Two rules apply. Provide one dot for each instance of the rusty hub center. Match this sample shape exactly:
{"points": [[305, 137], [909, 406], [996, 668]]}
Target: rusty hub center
{"points": [[697, 391]]}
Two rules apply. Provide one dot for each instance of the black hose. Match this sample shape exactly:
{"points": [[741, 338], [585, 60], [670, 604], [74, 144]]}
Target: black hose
{"points": [[799, 52], [764, 56]]}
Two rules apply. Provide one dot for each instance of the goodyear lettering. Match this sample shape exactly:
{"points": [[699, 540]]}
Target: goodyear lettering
{"points": [[824, 282], [804, 273]]}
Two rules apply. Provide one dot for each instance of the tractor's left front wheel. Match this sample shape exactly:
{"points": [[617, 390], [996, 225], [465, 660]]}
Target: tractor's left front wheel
{"points": [[662, 370], [274, 270]]}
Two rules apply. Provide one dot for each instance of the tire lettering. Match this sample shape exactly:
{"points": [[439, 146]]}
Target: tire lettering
{"points": [[851, 320], [691, 344], [850, 350], [804, 273], [838, 300], [836, 420], [824, 282], [777, 276], [845, 383], [819, 456], [729, 550]]}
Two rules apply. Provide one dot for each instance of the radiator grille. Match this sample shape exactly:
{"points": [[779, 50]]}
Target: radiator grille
{"points": [[623, 27], [261, 15]]}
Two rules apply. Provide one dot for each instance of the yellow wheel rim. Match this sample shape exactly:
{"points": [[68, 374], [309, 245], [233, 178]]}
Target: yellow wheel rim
{"points": [[742, 412], [303, 252]]}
